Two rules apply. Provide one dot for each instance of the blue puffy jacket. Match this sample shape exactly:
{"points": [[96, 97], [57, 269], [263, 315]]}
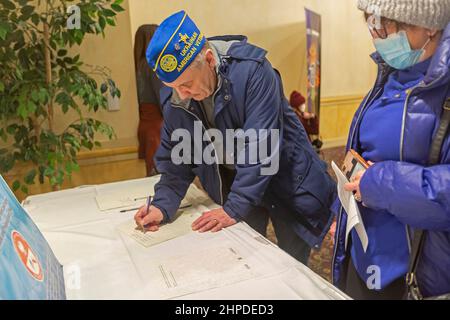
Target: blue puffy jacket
{"points": [[416, 194], [250, 96]]}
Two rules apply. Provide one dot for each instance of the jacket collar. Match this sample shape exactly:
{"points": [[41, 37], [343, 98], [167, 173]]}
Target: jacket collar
{"points": [[241, 50]]}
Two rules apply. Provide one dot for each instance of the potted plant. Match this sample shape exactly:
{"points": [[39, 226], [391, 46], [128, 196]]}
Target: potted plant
{"points": [[39, 74]]}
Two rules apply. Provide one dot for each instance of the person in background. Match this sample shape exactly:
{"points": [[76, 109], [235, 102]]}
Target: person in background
{"points": [[393, 129], [308, 119], [148, 86]]}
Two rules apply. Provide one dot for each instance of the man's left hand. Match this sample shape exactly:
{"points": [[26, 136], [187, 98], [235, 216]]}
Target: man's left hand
{"points": [[213, 221]]}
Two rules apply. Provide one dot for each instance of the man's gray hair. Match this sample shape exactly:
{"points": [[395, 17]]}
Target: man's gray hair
{"points": [[199, 60]]}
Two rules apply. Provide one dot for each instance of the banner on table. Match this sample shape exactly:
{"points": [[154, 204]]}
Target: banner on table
{"points": [[28, 267]]}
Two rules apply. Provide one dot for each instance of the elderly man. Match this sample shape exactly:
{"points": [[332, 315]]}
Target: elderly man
{"points": [[220, 84]]}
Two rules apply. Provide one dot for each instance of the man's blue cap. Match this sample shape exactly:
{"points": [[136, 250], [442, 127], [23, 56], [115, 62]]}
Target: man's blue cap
{"points": [[173, 47]]}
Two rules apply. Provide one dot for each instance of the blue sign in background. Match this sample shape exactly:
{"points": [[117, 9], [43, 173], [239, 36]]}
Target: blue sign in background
{"points": [[16, 280]]}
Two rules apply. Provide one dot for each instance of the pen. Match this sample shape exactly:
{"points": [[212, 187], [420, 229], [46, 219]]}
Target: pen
{"points": [[126, 210], [132, 209], [149, 199], [140, 198]]}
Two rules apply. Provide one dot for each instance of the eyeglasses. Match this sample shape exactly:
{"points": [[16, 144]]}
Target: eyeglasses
{"points": [[378, 26]]}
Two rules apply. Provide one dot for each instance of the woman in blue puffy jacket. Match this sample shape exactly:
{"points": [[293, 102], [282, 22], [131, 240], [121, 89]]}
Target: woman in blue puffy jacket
{"points": [[394, 129]]}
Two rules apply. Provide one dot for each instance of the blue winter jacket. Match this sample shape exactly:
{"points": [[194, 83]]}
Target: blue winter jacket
{"points": [[250, 96], [418, 195]]}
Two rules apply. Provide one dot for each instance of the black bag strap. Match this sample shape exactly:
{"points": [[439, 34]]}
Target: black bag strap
{"points": [[439, 138], [411, 278], [419, 235]]}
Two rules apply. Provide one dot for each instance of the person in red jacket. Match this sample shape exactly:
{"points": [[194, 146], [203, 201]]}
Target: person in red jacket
{"points": [[309, 120], [148, 86]]}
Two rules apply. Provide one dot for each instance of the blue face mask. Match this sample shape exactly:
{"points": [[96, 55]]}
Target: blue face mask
{"points": [[396, 50]]}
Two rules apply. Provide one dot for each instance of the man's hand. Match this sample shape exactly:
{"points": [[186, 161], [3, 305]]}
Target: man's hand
{"points": [[150, 221], [213, 221]]}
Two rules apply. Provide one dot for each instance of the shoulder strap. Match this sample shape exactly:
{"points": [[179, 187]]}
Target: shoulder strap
{"points": [[419, 235], [440, 134]]}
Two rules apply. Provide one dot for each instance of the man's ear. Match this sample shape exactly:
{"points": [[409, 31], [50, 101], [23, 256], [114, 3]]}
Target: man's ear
{"points": [[210, 59]]}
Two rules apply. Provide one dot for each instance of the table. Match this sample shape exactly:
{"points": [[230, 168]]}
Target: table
{"points": [[102, 263]]}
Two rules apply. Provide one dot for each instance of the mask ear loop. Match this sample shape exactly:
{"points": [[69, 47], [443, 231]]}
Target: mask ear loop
{"points": [[426, 43], [423, 48]]}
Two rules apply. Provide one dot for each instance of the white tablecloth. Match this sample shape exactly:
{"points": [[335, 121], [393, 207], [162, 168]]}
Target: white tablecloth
{"points": [[101, 263]]}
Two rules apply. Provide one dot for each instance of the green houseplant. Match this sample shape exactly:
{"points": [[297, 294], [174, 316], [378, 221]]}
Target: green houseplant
{"points": [[39, 74]]}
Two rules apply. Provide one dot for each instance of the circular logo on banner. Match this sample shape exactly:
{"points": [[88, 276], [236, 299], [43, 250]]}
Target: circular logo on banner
{"points": [[168, 63], [27, 256]]}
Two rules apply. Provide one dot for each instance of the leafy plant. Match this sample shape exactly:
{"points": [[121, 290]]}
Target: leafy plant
{"points": [[39, 74]]}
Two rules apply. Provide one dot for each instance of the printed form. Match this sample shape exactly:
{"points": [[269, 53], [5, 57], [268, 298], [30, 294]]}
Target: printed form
{"points": [[179, 227]]}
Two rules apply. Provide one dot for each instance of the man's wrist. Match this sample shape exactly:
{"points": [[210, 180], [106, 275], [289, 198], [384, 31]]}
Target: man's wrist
{"points": [[165, 217], [230, 212]]}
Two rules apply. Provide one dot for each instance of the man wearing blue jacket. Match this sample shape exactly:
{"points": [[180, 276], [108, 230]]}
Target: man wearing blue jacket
{"points": [[220, 84]]}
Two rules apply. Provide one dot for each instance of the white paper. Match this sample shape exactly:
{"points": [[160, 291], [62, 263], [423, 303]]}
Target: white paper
{"points": [[205, 268], [179, 227], [198, 262], [137, 196], [354, 219], [124, 198]]}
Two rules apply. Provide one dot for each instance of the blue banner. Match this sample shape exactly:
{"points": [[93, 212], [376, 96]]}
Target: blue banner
{"points": [[28, 267]]}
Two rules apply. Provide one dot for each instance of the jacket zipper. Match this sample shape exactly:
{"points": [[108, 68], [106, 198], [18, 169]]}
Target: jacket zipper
{"points": [[338, 223], [336, 238], [362, 111], [209, 138]]}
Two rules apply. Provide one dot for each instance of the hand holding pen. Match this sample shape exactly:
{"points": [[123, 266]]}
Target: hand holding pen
{"points": [[148, 217]]}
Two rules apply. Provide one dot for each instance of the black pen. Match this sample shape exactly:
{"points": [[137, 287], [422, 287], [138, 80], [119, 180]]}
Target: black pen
{"points": [[126, 210], [149, 200], [135, 199]]}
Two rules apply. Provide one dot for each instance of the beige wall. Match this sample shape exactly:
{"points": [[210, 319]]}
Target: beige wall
{"points": [[115, 52], [276, 25], [279, 27]]}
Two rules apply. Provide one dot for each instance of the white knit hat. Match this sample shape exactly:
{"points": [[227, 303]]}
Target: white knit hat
{"points": [[432, 14]]}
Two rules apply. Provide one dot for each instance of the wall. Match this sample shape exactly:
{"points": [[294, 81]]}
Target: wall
{"points": [[115, 52], [100, 171], [119, 163], [279, 27]]}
